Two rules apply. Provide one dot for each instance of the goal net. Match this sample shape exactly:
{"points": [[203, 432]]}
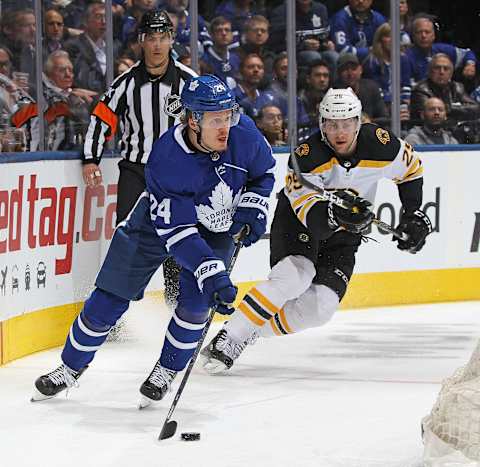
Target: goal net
{"points": [[451, 432]]}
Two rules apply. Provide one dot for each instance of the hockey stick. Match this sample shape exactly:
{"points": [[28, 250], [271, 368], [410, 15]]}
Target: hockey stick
{"points": [[170, 426], [333, 198]]}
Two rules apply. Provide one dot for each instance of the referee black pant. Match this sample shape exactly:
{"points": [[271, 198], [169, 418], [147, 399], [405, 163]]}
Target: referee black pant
{"points": [[131, 185]]}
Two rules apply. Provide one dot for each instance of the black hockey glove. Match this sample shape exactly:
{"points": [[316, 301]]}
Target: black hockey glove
{"points": [[417, 226], [355, 219]]}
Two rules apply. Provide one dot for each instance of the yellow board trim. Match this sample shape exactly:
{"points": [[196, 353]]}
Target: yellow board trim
{"points": [[33, 332], [44, 329]]}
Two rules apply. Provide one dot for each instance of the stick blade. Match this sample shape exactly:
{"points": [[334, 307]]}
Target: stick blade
{"points": [[168, 430]]}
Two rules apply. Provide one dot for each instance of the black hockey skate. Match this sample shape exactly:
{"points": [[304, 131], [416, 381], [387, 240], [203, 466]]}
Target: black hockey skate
{"points": [[49, 385], [156, 385], [219, 355]]}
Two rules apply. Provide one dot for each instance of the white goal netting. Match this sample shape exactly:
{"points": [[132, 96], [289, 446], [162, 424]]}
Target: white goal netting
{"points": [[452, 430]]}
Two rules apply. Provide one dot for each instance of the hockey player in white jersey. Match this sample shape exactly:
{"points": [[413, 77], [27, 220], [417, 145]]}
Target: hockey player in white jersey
{"points": [[206, 179], [313, 242]]}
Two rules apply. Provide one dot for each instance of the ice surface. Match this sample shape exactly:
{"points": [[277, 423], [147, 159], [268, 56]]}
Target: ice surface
{"points": [[349, 394]]}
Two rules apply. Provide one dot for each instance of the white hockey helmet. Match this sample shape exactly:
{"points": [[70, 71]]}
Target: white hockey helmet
{"points": [[339, 104]]}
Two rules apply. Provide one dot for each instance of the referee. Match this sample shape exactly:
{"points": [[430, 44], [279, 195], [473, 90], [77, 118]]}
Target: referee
{"points": [[144, 101]]}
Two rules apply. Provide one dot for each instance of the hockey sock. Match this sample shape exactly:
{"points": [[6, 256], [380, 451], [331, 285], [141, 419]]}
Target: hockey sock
{"points": [[313, 308], [90, 329], [181, 340], [287, 280]]}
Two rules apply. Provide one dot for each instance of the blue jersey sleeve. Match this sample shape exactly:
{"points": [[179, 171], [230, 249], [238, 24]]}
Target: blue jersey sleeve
{"points": [[351, 36], [172, 186], [459, 57]]}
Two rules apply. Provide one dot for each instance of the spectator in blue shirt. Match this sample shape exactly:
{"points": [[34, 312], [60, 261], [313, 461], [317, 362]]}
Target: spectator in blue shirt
{"points": [[278, 91], [218, 60], [424, 48], [312, 31], [131, 19], [182, 31], [254, 41], [237, 11], [353, 27], [377, 66], [247, 94]]}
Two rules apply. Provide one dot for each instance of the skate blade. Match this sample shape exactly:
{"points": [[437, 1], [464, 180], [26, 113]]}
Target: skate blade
{"points": [[145, 402], [213, 367], [37, 396]]}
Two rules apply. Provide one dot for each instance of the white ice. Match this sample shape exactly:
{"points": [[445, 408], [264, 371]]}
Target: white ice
{"points": [[349, 394]]}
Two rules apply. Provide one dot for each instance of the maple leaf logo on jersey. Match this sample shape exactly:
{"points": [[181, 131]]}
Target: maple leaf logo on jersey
{"points": [[217, 217]]}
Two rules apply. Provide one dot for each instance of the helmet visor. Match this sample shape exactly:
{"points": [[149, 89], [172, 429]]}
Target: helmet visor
{"points": [[220, 119]]}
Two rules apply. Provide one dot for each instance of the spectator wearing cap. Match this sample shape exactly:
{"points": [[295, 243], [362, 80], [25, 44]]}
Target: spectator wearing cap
{"points": [[424, 48], [377, 66], [217, 59], [349, 74], [312, 31], [247, 93], [270, 122], [459, 105], [254, 41], [317, 83], [353, 27], [432, 130]]}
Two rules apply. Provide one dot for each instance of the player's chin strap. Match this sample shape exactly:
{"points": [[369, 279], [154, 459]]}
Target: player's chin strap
{"points": [[198, 134], [334, 199]]}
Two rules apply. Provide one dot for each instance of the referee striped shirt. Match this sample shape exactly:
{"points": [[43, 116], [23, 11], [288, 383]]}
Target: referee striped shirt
{"points": [[137, 103]]}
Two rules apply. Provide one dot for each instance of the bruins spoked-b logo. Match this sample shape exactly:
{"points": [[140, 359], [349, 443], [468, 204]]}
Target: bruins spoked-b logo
{"points": [[303, 237], [382, 135], [173, 105], [302, 150]]}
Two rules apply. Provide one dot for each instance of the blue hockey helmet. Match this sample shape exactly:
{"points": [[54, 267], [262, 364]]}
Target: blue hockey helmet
{"points": [[207, 93]]}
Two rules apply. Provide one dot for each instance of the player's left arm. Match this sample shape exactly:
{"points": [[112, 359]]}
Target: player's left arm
{"points": [[408, 175], [252, 210]]}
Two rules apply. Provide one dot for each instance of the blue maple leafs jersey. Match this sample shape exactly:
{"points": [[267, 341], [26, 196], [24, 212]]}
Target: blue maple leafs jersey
{"points": [[187, 187]]}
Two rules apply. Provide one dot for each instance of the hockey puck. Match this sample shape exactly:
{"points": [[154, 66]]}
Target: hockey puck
{"points": [[190, 436]]}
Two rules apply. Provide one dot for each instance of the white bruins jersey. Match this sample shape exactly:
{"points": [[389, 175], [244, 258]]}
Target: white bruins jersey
{"points": [[379, 154]]}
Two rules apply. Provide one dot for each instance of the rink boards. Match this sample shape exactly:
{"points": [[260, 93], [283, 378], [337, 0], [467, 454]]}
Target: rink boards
{"points": [[54, 234]]}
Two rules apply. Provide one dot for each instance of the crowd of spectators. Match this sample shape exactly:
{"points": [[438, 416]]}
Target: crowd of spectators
{"points": [[340, 43]]}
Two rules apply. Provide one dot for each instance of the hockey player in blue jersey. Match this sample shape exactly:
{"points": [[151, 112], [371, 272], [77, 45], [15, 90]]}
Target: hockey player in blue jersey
{"points": [[206, 179]]}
